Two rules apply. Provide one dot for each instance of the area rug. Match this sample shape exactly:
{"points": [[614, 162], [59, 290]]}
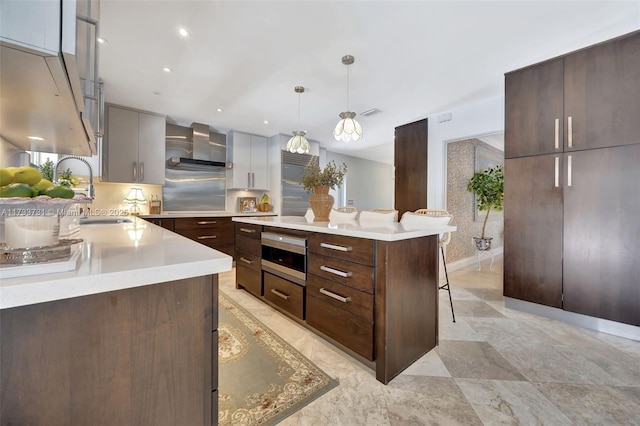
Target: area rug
{"points": [[262, 379]]}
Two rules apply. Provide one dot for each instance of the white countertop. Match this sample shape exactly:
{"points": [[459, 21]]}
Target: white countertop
{"points": [[117, 256], [216, 213], [372, 230]]}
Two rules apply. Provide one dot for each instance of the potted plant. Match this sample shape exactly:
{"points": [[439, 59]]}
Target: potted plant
{"points": [[488, 187], [320, 181]]}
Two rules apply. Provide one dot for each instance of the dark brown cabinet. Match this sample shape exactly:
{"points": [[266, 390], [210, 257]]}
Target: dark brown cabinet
{"points": [[340, 290], [215, 232], [140, 356], [584, 100], [602, 233], [534, 110], [533, 229], [571, 206], [168, 223], [410, 161], [602, 95], [248, 254]]}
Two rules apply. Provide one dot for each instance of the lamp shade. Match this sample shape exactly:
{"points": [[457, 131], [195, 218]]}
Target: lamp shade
{"points": [[347, 128], [298, 143], [135, 196]]}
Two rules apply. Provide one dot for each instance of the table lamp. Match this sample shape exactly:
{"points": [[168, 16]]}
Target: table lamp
{"points": [[134, 198]]}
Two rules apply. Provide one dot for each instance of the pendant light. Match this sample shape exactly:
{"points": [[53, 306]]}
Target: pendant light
{"points": [[347, 128], [298, 143]]}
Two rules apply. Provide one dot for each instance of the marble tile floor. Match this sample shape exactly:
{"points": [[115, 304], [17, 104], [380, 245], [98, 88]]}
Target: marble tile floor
{"points": [[493, 366]]}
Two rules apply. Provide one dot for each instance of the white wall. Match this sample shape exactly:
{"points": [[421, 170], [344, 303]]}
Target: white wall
{"points": [[470, 120], [369, 184]]}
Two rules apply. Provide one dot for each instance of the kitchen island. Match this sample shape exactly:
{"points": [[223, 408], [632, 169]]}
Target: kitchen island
{"points": [[371, 288], [128, 337]]}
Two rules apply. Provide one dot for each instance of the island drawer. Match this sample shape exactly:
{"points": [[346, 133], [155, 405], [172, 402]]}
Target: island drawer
{"points": [[340, 296], [285, 294], [249, 230], [248, 245], [248, 260], [358, 250], [342, 326], [249, 279], [211, 237], [350, 274], [183, 223]]}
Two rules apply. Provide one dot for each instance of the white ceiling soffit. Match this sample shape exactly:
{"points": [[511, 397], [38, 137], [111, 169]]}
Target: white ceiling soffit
{"points": [[412, 59]]}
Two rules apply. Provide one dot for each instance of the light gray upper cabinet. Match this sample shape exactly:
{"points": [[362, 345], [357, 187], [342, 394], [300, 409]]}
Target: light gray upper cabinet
{"points": [[134, 146], [49, 58], [250, 165], [31, 24]]}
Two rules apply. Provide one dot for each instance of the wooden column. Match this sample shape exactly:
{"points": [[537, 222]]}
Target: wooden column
{"points": [[410, 160]]}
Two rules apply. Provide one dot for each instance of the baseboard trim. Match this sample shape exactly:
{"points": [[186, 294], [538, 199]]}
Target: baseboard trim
{"points": [[584, 321], [467, 261]]}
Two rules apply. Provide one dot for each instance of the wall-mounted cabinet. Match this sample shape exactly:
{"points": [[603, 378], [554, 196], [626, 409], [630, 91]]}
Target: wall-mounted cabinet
{"points": [[573, 146], [134, 146], [49, 58], [585, 100], [250, 164]]}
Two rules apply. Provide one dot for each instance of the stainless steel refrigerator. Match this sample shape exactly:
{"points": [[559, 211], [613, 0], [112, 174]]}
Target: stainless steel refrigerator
{"points": [[295, 199]]}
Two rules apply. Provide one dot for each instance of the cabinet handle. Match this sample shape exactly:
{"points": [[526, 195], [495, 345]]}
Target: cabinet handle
{"points": [[253, 180], [142, 171], [247, 230], [557, 133], [135, 171], [570, 132], [336, 271], [557, 172], [207, 222], [280, 294], [207, 237], [335, 296], [569, 171], [335, 247], [248, 180], [245, 260]]}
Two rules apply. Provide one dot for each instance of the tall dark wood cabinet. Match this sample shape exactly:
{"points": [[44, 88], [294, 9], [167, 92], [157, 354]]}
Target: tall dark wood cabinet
{"points": [[533, 230], [601, 274], [410, 160], [571, 197], [533, 110]]}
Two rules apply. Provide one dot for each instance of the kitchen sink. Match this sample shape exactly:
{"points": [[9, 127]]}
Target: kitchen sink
{"points": [[103, 220]]}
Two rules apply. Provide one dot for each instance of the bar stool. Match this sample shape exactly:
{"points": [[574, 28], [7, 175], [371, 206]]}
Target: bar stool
{"points": [[442, 217]]}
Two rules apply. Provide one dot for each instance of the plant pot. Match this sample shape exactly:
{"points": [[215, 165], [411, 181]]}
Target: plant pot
{"points": [[483, 244], [321, 203]]}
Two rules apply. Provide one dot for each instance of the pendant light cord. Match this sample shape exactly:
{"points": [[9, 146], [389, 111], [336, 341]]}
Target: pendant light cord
{"points": [[348, 66]]}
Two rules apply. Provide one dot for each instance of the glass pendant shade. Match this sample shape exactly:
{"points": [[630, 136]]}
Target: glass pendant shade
{"points": [[298, 143], [347, 129]]}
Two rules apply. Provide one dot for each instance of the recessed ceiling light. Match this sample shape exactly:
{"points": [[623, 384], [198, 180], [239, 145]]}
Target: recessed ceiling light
{"points": [[35, 138], [183, 32], [266, 121], [219, 110], [167, 69], [102, 40]]}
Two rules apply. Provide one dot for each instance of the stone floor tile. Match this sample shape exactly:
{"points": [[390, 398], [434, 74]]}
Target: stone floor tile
{"points": [[592, 404], [510, 402], [477, 360]]}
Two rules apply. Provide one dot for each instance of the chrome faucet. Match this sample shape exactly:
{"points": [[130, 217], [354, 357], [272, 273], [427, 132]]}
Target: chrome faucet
{"points": [[90, 190]]}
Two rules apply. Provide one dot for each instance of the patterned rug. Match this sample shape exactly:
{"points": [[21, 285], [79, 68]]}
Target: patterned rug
{"points": [[262, 379]]}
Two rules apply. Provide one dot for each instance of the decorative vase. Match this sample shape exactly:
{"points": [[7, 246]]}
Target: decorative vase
{"points": [[483, 244], [321, 203]]}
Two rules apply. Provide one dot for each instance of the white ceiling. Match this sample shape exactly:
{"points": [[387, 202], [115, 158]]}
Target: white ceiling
{"points": [[412, 59]]}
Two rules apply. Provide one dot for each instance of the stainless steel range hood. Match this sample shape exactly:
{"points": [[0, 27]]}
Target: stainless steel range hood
{"points": [[206, 149]]}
